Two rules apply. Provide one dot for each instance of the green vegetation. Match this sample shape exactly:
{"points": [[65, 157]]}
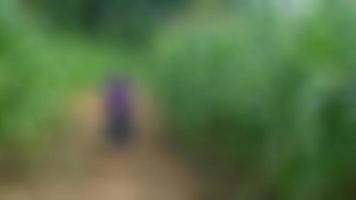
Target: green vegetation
{"points": [[270, 96]]}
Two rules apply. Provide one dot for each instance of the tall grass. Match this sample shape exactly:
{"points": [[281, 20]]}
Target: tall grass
{"points": [[268, 95]]}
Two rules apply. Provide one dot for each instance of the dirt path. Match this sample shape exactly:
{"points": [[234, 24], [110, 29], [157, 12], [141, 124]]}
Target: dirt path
{"points": [[134, 174], [143, 171]]}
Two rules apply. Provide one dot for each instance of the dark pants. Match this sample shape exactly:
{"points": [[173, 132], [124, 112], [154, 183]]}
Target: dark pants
{"points": [[119, 129]]}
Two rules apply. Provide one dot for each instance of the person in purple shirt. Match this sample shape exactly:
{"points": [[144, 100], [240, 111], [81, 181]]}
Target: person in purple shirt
{"points": [[119, 110]]}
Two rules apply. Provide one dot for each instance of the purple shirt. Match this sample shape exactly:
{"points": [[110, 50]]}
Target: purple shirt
{"points": [[119, 97]]}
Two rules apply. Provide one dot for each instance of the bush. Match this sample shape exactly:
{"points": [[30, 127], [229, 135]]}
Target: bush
{"points": [[269, 97]]}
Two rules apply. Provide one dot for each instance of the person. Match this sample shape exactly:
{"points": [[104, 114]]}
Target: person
{"points": [[119, 111]]}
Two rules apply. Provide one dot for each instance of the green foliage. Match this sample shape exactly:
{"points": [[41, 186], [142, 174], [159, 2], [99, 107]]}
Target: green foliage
{"points": [[128, 21], [38, 72], [269, 96]]}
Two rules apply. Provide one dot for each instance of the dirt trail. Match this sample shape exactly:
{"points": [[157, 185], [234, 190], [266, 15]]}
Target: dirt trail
{"points": [[133, 174], [143, 171]]}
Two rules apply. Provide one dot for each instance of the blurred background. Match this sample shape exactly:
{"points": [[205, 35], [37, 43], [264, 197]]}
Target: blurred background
{"points": [[237, 99]]}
